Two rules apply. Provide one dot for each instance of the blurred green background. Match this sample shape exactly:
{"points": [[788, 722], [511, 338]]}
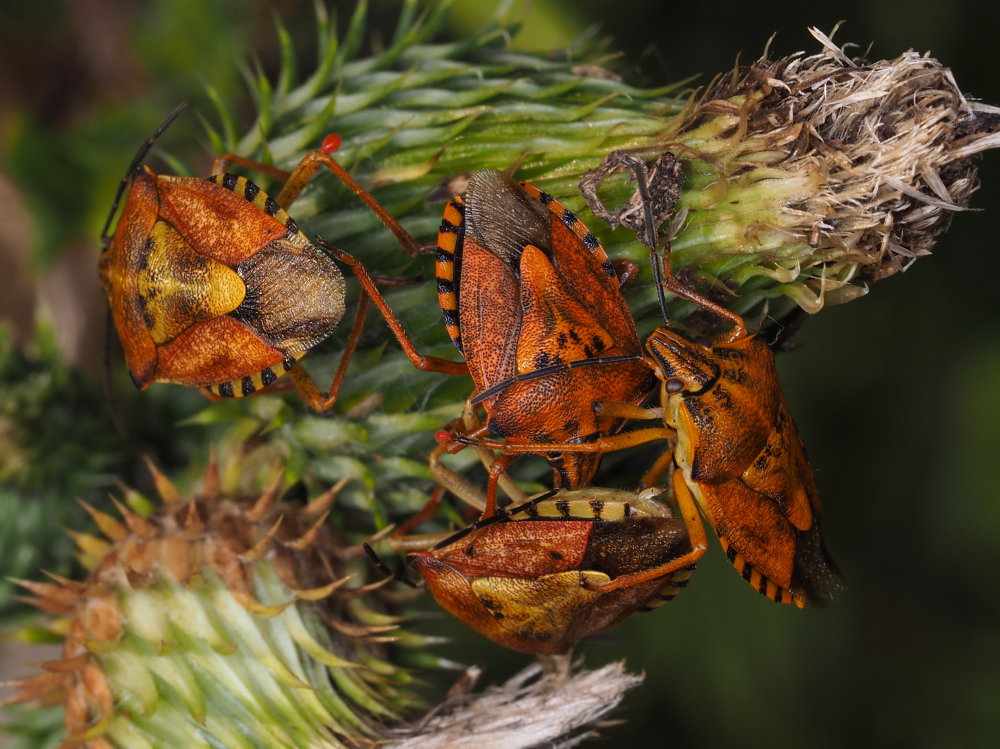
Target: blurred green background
{"points": [[897, 394]]}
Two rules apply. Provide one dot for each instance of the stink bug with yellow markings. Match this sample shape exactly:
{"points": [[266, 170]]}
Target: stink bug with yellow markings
{"points": [[525, 287], [737, 454], [542, 576], [212, 284]]}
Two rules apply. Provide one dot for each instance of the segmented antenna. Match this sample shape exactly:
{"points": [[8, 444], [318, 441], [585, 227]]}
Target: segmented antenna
{"points": [[136, 162], [382, 567], [638, 169]]}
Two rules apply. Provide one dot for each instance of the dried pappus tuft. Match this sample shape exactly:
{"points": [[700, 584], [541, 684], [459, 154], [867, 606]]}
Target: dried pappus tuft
{"points": [[822, 173], [533, 708]]}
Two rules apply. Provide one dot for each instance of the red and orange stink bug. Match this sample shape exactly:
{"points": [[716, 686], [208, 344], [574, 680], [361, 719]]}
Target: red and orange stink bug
{"points": [[527, 291], [535, 578], [212, 284]]}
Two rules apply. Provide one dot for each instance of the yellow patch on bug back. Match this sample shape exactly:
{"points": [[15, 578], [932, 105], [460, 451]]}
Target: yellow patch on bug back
{"points": [[537, 607], [180, 287]]}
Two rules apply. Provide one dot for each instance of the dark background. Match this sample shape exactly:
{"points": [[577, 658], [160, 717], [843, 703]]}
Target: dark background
{"points": [[896, 394]]}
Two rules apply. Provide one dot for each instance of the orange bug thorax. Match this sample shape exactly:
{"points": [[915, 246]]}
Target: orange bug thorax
{"points": [[728, 404], [530, 579]]}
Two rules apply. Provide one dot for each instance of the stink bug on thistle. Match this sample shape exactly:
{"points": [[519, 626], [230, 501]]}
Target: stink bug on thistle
{"points": [[736, 451], [540, 577], [212, 284], [526, 289]]}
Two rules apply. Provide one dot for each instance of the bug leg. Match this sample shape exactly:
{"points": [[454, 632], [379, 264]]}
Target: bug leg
{"points": [[500, 465], [455, 442], [454, 483], [696, 536], [427, 511], [352, 345], [626, 270], [601, 445], [674, 286], [306, 170], [629, 411], [402, 538], [427, 363], [486, 457], [667, 281], [656, 471]]}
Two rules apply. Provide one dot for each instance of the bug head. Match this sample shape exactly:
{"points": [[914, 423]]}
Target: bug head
{"points": [[683, 366], [136, 163]]}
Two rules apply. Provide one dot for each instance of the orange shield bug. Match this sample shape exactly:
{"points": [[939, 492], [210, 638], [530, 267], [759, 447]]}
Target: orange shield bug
{"points": [[212, 284], [535, 578], [740, 457], [737, 453], [527, 292]]}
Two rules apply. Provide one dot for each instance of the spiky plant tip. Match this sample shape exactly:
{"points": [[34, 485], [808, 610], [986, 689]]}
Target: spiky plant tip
{"points": [[211, 617], [220, 621]]}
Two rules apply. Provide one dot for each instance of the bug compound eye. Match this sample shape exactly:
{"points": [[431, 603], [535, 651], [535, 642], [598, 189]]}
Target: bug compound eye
{"points": [[674, 386]]}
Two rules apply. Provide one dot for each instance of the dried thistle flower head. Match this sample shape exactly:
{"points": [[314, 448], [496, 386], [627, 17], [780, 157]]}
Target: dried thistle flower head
{"points": [[808, 177]]}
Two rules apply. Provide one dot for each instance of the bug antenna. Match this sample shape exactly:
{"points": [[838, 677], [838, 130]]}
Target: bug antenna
{"points": [[383, 567], [654, 259], [136, 162], [639, 170], [458, 535]]}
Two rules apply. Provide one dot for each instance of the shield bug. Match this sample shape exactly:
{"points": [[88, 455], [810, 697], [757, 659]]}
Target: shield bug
{"points": [[736, 451], [540, 577], [740, 457], [528, 292], [212, 284]]}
